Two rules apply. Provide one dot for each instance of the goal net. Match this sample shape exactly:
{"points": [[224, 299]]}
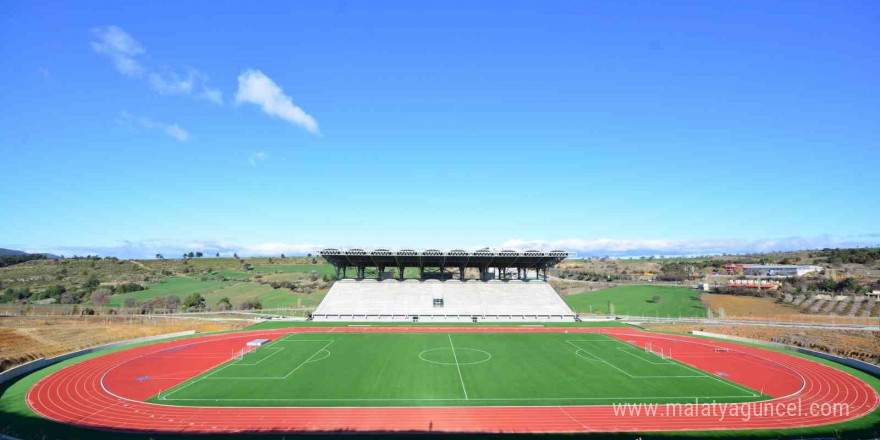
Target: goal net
{"points": [[658, 351]]}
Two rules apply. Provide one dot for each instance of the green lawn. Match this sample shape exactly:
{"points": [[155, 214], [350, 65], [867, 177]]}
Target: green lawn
{"points": [[637, 300], [180, 286], [431, 369]]}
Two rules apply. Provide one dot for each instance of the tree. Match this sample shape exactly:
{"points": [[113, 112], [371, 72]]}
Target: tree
{"points": [[282, 256], [101, 297], [130, 302], [172, 302], [199, 255], [184, 255], [194, 301], [159, 257], [93, 282], [218, 255], [235, 255], [191, 255], [224, 304], [67, 298]]}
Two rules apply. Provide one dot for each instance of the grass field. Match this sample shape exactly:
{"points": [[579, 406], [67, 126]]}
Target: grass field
{"points": [[442, 369], [637, 300], [181, 287]]}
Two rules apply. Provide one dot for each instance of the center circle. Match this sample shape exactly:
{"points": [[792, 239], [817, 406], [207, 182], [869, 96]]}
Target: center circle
{"points": [[461, 356]]}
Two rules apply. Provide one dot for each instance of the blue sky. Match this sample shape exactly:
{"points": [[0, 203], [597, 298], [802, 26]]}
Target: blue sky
{"points": [[619, 128]]}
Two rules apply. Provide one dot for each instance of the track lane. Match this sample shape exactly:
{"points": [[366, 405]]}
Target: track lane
{"points": [[92, 393]]}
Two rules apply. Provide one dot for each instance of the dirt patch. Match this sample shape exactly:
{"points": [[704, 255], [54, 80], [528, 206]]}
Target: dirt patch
{"points": [[733, 305], [23, 339]]}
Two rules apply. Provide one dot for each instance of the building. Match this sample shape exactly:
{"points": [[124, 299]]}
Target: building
{"points": [[779, 270], [502, 265], [511, 287]]}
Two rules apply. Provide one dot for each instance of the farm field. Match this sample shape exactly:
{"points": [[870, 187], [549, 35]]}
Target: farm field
{"points": [[637, 301], [450, 369], [737, 305]]}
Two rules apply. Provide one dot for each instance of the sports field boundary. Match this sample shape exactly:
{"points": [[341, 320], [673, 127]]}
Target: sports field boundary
{"points": [[81, 394]]}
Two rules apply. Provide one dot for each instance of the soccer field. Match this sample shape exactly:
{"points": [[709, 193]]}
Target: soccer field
{"points": [[450, 369]]}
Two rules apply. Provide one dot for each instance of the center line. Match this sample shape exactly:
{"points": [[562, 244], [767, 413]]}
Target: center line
{"points": [[454, 356]]}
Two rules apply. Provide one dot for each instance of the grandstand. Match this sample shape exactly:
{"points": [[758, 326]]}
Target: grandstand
{"points": [[495, 297]]}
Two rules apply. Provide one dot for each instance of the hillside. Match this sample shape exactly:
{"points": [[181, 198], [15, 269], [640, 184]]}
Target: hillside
{"points": [[274, 282]]}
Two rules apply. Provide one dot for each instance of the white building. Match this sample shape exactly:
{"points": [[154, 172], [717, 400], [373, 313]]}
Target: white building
{"points": [[779, 270]]}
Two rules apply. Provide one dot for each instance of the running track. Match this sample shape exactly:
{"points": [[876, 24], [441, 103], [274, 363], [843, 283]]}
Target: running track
{"points": [[106, 392]]}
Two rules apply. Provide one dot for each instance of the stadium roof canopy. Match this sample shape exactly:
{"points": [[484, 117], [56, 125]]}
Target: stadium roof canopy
{"points": [[382, 258]]}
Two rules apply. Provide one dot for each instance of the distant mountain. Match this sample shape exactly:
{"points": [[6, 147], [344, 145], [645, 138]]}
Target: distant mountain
{"points": [[15, 252], [11, 252]]}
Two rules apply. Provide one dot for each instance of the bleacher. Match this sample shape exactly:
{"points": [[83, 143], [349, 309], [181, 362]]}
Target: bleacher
{"points": [[443, 301]]}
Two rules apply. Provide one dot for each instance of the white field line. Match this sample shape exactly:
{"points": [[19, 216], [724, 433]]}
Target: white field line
{"points": [[454, 356], [228, 364], [624, 372], [711, 376], [626, 350], [322, 349], [277, 350], [726, 382]]}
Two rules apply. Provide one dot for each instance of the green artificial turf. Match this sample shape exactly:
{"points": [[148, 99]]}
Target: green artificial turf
{"points": [[639, 301], [450, 369]]}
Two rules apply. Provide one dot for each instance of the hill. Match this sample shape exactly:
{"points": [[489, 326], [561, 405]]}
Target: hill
{"points": [[11, 252]]}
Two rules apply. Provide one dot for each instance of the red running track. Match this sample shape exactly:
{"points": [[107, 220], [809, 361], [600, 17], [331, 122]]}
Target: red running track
{"points": [[107, 392]]}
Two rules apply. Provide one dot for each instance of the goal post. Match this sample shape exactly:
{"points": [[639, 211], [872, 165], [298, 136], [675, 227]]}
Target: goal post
{"points": [[656, 351]]}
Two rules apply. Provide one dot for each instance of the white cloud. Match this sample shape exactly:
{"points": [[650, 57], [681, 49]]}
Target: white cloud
{"points": [[121, 47], [259, 156], [124, 50], [147, 124], [256, 88], [282, 248], [212, 95], [177, 132], [648, 247], [171, 84], [170, 248]]}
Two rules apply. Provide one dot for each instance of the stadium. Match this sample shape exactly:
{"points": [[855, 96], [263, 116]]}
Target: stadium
{"points": [[478, 343]]}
